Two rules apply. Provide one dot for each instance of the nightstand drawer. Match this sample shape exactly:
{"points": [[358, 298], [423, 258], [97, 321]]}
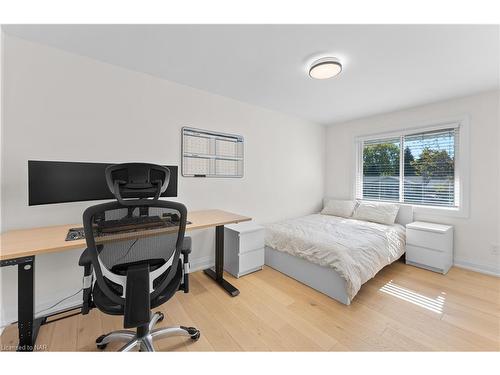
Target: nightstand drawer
{"points": [[428, 258], [242, 264], [243, 248], [430, 240], [250, 241], [251, 261]]}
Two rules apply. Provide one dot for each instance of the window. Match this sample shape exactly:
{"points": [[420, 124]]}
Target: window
{"points": [[415, 168], [381, 169]]}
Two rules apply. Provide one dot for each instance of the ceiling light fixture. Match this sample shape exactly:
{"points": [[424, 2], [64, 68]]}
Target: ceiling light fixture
{"points": [[326, 67]]}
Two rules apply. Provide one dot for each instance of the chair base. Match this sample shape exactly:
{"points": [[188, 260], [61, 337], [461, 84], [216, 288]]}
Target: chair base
{"points": [[145, 336]]}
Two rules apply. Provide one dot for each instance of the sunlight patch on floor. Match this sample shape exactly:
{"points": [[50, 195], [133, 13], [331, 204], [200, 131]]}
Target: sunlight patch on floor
{"points": [[432, 304]]}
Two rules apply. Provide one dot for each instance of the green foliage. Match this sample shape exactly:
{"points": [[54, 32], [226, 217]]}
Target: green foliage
{"points": [[409, 160], [381, 160], [434, 164]]}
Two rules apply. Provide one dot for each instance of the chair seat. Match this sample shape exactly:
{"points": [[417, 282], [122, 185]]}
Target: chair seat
{"points": [[107, 306]]}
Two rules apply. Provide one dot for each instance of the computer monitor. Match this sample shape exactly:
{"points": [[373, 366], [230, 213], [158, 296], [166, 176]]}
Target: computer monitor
{"points": [[61, 181]]}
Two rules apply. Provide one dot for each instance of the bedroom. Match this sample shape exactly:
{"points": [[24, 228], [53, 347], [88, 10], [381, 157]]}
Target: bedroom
{"points": [[342, 180]]}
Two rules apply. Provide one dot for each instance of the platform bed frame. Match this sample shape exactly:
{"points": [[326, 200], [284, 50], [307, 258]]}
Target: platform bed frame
{"points": [[324, 279]]}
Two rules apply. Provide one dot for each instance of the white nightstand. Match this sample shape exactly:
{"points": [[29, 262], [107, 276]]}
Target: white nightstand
{"points": [[243, 248], [430, 246]]}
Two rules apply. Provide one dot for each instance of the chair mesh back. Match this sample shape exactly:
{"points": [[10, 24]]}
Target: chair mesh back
{"points": [[138, 249], [121, 245], [123, 235]]}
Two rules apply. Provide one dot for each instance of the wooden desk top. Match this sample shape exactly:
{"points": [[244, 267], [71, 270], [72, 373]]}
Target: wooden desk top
{"points": [[36, 241]]}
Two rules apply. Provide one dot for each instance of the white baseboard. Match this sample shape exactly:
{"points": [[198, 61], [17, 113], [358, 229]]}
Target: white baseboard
{"points": [[209, 261], [477, 268], [6, 321], [69, 304], [201, 263], [2, 318], [197, 264]]}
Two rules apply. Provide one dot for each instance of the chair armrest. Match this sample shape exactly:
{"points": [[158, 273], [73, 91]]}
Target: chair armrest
{"points": [[186, 250], [86, 263], [186, 246], [85, 258]]}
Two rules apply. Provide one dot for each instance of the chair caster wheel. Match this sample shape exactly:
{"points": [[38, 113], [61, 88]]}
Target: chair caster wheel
{"points": [[98, 340], [193, 332], [196, 336]]}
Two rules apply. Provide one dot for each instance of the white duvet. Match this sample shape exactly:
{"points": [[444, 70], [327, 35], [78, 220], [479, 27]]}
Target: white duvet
{"points": [[356, 249]]}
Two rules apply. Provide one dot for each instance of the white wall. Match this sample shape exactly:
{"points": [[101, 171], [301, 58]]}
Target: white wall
{"points": [[60, 106], [1, 150], [475, 235]]}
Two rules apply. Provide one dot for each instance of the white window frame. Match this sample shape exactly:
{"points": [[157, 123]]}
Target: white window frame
{"points": [[462, 162]]}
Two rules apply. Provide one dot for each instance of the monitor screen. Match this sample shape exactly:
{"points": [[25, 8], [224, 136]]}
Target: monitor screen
{"points": [[61, 181]]}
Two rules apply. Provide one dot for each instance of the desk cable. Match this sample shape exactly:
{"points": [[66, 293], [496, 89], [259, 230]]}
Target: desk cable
{"points": [[48, 308], [57, 303]]}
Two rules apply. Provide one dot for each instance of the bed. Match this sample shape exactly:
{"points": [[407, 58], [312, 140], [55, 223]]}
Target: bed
{"points": [[332, 254]]}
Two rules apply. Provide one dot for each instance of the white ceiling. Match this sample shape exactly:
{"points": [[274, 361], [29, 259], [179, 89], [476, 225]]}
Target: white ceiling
{"points": [[386, 67]]}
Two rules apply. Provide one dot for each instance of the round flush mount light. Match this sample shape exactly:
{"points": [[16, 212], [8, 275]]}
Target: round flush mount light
{"points": [[326, 67]]}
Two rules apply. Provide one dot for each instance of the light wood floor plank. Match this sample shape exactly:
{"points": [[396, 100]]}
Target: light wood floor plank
{"points": [[249, 320], [178, 316], [403, 308], [279, 316]]}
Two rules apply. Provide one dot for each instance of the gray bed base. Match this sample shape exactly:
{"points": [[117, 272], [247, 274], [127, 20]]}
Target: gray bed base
{"points": [[324, 279]]}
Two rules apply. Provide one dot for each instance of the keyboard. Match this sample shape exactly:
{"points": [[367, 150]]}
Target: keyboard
{"points": [[75, 234], [123, 225], [130, 223]]}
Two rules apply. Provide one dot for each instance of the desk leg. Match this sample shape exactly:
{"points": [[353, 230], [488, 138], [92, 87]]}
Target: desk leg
{"points": [[218, 274], [27, 325]]}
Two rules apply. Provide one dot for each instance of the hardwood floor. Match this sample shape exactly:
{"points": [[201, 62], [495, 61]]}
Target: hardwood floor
{"points": [[402, 309]]}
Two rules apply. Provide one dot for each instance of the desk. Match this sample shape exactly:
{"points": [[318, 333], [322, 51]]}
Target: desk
{"points": [[19, 248]]}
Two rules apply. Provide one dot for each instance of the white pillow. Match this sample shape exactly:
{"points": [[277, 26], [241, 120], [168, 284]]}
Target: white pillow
{"points": [[383, 213], [336, 207]]}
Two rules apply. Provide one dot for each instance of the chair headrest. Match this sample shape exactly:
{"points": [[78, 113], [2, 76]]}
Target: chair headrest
{"points": [[137, 181]]}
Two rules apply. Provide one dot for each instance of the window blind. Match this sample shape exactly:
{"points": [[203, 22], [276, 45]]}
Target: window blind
{"points": [[429, 168], [414, 168], [381, 169]]}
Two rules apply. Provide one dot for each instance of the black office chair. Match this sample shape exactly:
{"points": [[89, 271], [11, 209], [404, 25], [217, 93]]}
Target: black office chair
{"points": [[133, 258]]}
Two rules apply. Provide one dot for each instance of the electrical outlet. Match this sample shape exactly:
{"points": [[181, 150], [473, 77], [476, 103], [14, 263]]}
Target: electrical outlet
{"points": [[495, 248]]}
